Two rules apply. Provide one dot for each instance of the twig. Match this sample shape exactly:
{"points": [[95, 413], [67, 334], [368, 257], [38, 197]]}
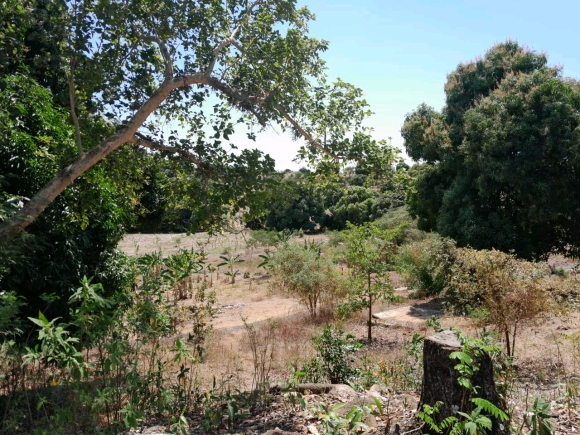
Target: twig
{"points": [[413, 430]]}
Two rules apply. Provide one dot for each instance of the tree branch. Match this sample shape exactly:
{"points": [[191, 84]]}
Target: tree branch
{"points": [[305, 134], [72, 100], [33, 208], [164, 52], [230, 40], [312, 140], [146, 142]]}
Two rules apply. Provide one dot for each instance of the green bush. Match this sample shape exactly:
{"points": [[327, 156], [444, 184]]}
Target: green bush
{"points": [[426, 265], [303, 273], [333, 362], [395, 217], [262, 238], [107, 364], [335, 238]]}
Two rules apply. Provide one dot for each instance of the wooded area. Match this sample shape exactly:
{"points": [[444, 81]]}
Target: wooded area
{"points": [[118, 117]]}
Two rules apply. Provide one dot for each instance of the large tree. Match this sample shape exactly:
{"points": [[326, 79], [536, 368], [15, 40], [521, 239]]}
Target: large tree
{"points": [[501, 161], [167, 74]]}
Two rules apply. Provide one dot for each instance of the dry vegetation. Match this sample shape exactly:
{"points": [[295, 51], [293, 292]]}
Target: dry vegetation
{"points": [[547, 355]]}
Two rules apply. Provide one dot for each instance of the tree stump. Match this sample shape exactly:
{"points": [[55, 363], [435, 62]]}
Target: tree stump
{"points": [[440, 381]]}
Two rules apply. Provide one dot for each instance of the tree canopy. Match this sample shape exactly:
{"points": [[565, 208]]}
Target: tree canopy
{"points": [[500, 164], [177, 77]]}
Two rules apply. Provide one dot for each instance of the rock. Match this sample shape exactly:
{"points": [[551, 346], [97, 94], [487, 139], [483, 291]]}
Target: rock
{"points": [[376, 388], [335, 389]]}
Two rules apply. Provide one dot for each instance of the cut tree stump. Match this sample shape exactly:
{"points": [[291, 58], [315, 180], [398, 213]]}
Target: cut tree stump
{"points": [[440, 381]]}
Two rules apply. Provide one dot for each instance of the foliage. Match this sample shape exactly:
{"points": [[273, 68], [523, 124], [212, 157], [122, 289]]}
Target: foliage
{"points": [[230, 261], [333, 360], [107, 364], [303, 273], [315, 201], [540, 418], [78, 233], [124, 72], [368, 253], [500, 159], [297, 203], [426, 265], [355, 206], [469, 424], [506, 292], [263, 238], [335, 424], [396, 217]]}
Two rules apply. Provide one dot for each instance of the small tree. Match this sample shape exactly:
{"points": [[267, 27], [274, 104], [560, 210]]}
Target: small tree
{"points": [[368, 252], [502, 290], [303, 273]]}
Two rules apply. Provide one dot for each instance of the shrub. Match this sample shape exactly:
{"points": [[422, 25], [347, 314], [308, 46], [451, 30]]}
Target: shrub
{"points": [[394, 218], [504, 291], [333, 361], [262, 238], [335, 238], [426, 265], [303, 273], [108, 364]]}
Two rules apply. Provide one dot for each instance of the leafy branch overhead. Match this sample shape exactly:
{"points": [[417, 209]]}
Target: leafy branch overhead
{"points": [[152, 68]]}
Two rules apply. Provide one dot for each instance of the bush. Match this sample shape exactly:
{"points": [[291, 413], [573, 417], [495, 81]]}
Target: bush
{"points": [[262, 238], [502, 290], [394, 218], [335, 238], [303, 273], [333, 361], [426, 265]]}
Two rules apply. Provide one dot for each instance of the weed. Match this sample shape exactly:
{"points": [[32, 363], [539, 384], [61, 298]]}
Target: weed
{"points": [[333, 361], [538, 418], [262, 344]]}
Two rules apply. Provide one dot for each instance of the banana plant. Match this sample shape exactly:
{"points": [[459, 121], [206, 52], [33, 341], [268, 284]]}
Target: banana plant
{"points": [[230, 261], [178, 270]]}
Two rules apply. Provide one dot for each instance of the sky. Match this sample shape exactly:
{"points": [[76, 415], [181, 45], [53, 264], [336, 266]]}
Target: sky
{"points": [[400, 52]]}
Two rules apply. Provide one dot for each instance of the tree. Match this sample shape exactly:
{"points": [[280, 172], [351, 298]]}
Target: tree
{"points": [[356, 206], [148, 67], [302, 272], [79, 232], [368, 252], [501, 161], [296, 203]]}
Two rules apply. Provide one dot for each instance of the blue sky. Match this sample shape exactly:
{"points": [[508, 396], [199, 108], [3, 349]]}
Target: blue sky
{"points": [[399, 52]]}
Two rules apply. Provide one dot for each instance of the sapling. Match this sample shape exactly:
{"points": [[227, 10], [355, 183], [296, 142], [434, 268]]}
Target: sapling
{"points": [[368, 253]]}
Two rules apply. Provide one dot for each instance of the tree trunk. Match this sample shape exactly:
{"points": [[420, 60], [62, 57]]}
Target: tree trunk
{"points": [[370, 325], [440, 381]]}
